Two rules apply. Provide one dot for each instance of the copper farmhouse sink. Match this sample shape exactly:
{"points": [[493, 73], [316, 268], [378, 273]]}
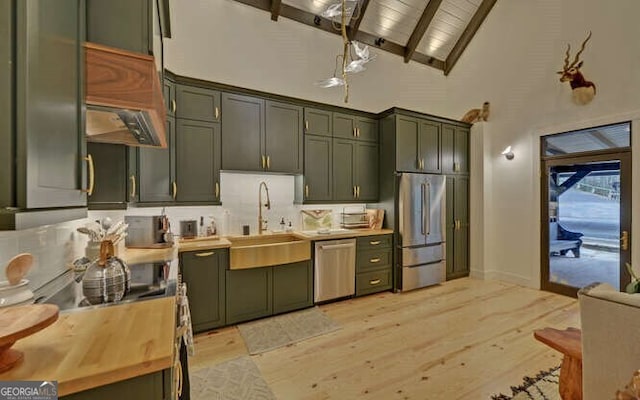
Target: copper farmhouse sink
{"points": [[267, 250]]}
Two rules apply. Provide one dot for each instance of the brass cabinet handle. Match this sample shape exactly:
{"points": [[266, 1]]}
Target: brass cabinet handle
{"points": [[268, 162], [132, 178], [374, 242], [216, 112], [217, 190], [374, 260], [174, 106], [92, 175], [624, 241], [358, 191], [306, 191], [179, 378], [207, 254], [175, 190], [264, 161], [355, 132], [374, 281], [358, 131], [354, 192], [306, 125], [456, 167]]}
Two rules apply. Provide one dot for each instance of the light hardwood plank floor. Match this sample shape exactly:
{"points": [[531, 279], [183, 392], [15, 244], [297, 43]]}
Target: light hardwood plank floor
{"points": [[464, 339]]}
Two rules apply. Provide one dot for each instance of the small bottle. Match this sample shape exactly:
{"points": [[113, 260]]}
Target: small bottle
{"points": [[290, 227], [282, 224]]}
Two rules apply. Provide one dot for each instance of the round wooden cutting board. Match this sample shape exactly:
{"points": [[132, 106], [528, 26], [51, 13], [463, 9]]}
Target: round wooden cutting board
{"points": [[19, 322]]}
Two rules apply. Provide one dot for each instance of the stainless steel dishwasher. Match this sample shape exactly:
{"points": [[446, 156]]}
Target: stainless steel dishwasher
{"points": [[335, 269]]}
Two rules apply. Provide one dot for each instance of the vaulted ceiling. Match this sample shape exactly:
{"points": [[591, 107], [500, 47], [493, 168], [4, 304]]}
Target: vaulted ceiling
{"points": [[431, 32]]}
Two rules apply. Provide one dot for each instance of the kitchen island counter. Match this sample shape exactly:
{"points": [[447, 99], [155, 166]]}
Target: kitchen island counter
{"points": [[87, 348]]}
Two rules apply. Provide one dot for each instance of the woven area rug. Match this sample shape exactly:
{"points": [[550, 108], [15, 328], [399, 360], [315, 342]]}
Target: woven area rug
{"points": [[282, 330], [543, 386], [237, 379]]}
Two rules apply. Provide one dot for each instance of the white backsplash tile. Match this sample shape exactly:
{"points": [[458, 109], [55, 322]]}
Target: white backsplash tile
{"points": [[55, 246]]}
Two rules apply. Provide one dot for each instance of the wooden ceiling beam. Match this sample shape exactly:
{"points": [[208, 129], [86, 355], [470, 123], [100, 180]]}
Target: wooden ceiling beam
{"points": [[307, 18], [421, 27], [354, 24], [275, 9], [467, 35]]}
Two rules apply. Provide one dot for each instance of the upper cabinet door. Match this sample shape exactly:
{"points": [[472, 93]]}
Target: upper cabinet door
{"points": [[197, 161], [110, 162], [344, 126], [367, 167], [429, 146], [49, 96], [461, 151], [447, 148], [197, 103], [318, 122], [284, 139], [169, 95], [407, 129], [125, 24], [242, 133], [455, 149], [318, 162], [156, 169], [344, 167], [367, 129]]}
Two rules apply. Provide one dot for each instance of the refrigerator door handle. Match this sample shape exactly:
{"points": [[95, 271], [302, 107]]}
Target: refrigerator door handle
{"points": [[427, 207], [423, 210]]}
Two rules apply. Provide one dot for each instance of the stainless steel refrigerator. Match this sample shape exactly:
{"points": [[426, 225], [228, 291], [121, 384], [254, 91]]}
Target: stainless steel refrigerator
{"points": [[421, 230]]}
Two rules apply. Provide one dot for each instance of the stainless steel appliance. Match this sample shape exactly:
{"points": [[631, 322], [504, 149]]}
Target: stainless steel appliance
{"points": [[149, 231], [421, 230], [335, 269]]}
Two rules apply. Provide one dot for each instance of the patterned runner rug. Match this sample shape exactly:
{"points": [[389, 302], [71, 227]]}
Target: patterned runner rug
{"points": [[543, 386], [237, 379], [282, 330]]}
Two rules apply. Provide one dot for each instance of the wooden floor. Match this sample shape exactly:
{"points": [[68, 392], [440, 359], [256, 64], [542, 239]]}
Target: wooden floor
{"points": [[465, 339]]}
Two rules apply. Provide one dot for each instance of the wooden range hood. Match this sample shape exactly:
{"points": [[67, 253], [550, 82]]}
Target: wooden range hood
{"points": [[123, 97]]}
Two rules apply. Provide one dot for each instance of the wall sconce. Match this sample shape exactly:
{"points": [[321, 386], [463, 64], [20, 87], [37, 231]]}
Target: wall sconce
{"points": [[507, 153]]}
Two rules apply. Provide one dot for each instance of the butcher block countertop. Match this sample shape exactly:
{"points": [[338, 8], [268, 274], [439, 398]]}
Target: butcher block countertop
{"points": [[199, 244], [84, 349], [145, 256], [352, 233]]}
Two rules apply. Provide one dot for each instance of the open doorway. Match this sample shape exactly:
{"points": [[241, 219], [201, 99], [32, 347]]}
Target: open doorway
{"points": [[586, 208]]}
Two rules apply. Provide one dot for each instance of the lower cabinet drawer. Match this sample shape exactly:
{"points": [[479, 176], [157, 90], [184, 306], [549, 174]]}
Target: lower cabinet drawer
{"points": [[372, 259], [374, 281]]}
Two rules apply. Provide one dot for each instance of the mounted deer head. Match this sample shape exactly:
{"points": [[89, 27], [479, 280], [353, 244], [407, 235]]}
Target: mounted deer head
{"points": [[583, 90]]}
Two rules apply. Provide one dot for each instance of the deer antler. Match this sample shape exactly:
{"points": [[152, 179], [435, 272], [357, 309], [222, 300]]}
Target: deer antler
{"points": [[566, 59], [581, 50]]}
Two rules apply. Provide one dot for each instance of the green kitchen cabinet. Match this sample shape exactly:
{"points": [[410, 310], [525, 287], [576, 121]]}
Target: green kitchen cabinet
{"points": [[249, 294], [125, 24], [42, 95], [196, 103], [169, 96], [284, 140], [455, 149], [204, 273], [154, 386], [157, 170], [318, 162], [374, 262], [111, 176], [417, 145], [355, 170], [318, 122], [259, 135], [198, 151], [242, 133], [355, 127], [292, 286], [457, 226]]}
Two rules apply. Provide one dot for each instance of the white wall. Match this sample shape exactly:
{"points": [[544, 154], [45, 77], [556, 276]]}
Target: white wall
{"points": [[512, 62]]}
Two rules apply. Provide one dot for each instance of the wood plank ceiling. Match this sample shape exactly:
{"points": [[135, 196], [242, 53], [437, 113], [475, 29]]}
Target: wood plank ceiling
{"points": [[431, 32]]}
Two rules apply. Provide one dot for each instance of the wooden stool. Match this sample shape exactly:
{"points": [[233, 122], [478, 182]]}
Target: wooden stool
{"points": [[568, 342]]}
